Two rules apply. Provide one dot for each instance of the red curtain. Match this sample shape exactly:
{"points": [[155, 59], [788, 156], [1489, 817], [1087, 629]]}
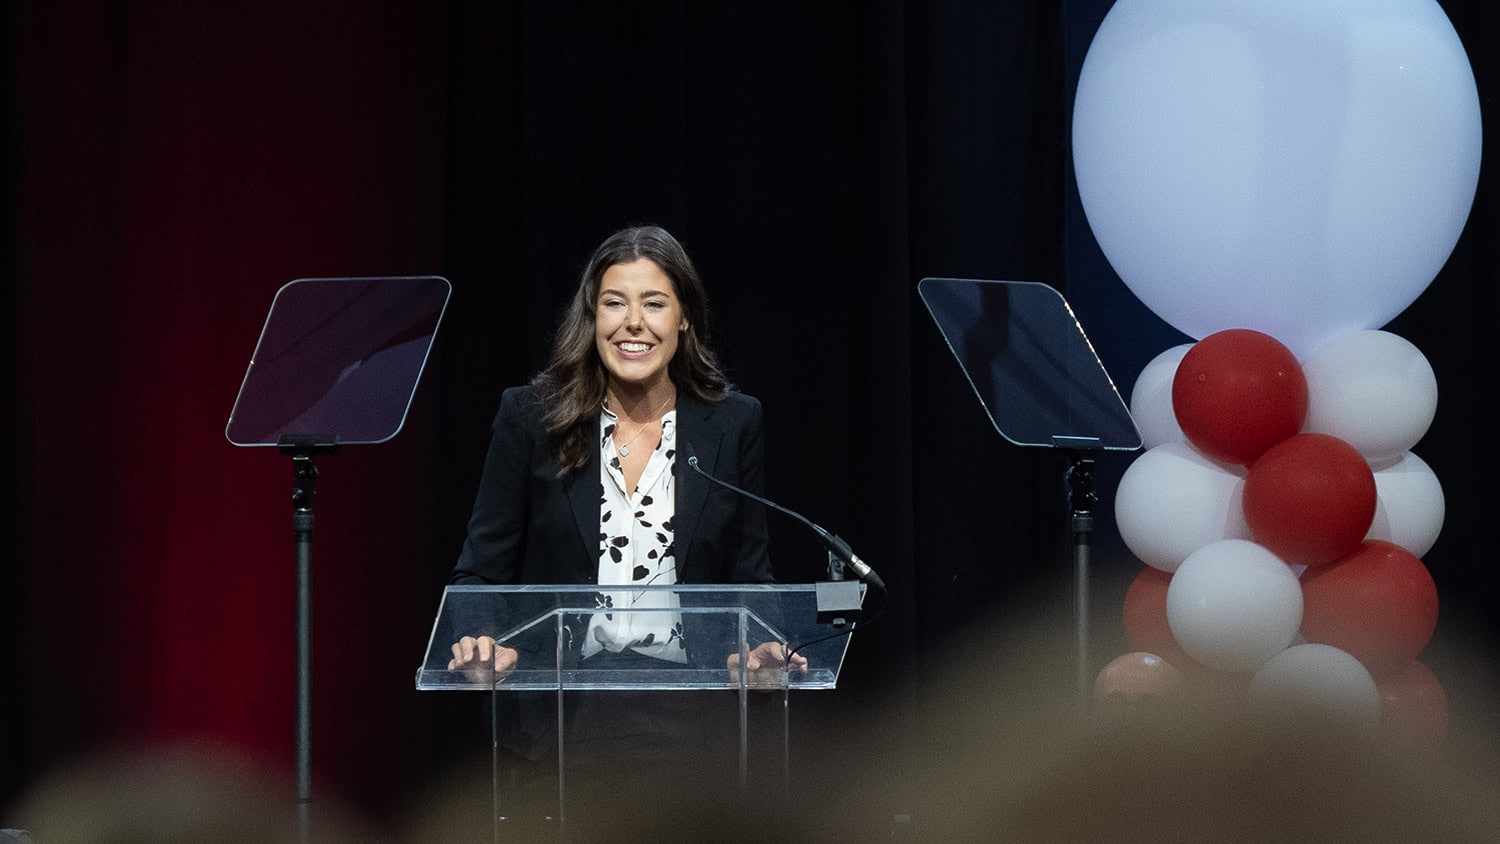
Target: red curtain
{"points": [[180, 162]]}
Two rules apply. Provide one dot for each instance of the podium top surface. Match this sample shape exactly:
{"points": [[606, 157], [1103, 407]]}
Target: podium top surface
{"points": [[678, 637]]}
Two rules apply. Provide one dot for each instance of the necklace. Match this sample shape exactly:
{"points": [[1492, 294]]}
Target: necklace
{"points": [[656, 417]]}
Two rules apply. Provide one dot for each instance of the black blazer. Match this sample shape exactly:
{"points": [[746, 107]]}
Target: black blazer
{"points": [[530, 526]]}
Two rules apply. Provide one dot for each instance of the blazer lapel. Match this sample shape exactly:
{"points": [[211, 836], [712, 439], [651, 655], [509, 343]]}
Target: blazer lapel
{"points": [[584, 492], [697, 436]]}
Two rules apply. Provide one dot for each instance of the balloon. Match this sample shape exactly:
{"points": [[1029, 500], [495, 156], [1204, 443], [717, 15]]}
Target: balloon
{"points": [[1145, 618], [1310, 499], [1303, 169], [1409, 505], [1238, 392], [1317, 682], [1134, 676], [1379, 604], [1173, 500], [1373, 390], [1232, 605], [1151, 399], [1413, 707]]}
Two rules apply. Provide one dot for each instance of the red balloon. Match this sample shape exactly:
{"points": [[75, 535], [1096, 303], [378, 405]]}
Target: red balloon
{"points": [[1379, 604], [1413, 707], [1145, 618], [1310, 499], [1237, 393]]}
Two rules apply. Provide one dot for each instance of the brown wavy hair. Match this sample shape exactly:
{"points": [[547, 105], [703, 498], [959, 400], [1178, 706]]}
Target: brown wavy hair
{"points": [[573, 386]]}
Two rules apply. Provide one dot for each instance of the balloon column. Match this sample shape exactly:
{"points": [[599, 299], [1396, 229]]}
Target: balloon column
{"points": [[1278, 179]]}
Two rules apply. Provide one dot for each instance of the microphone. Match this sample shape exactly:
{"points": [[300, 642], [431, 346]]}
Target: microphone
{"points": [[836, 546]]}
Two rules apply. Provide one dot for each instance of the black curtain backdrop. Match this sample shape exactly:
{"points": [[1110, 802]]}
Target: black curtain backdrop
{"points": [[172, 165]]}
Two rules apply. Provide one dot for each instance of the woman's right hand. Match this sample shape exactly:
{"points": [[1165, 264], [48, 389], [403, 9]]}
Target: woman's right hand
{"points": [[477, 657]]}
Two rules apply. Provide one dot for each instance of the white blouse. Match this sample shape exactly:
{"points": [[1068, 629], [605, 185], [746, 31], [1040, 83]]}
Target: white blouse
{"points": [[635, 548]]}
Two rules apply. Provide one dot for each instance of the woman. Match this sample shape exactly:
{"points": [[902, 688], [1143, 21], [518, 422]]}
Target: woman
{"points": [[581, 483]]}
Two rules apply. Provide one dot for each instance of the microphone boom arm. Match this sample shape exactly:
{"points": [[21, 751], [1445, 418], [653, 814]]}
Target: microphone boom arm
{"points": [[836, 546]]}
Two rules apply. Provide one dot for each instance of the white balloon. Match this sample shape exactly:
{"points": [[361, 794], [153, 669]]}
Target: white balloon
{"points": [[1300, 168], [1174, 499], [1409, 505], [1316, 681], [1232, 605], [1151, 399], [1373, 390]]}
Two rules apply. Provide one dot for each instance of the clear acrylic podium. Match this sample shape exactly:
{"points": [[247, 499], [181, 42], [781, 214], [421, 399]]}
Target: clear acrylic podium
{"points": [[700, 635]]}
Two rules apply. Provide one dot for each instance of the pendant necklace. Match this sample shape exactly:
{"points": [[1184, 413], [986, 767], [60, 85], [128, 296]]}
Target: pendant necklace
{"points": [[625, 446]]}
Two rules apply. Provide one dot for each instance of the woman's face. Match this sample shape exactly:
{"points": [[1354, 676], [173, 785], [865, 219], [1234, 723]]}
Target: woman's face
{"points": [[636, 322]]}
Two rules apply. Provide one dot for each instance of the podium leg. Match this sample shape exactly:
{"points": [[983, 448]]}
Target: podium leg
{"points": [[495, 814], [562, 777], [786, 741], [744, 690]]}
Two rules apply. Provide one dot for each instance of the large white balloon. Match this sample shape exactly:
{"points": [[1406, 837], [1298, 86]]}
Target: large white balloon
{"points": [[1409, 505], [1319, 682], [1300, 168], [1232, 605], [1151, 399], [1373, 390], [1174, 499]]}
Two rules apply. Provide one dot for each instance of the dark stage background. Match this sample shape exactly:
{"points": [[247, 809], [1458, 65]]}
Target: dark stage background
{"points": [[170, 165]]}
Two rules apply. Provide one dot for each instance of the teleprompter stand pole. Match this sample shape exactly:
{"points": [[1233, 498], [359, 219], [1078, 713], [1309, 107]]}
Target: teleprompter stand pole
{"points": [[1081, 502], [304, 476]]}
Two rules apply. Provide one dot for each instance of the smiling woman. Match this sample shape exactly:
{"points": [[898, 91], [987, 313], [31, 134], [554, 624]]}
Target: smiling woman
{"points": [[587, 366], [580, 486], [631, 381]]}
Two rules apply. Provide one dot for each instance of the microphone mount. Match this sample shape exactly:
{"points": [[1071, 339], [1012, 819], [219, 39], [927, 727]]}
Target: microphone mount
{"points": [[839, 602]]}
